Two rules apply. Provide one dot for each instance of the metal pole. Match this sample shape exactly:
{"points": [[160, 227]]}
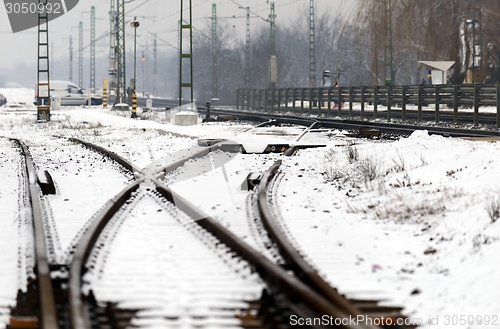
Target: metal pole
{"points": [[312, 52], [135, 24], [155, 69], [112, 49], [143, 72], [403, 101], [70, 58], [498, 105], [215, 52], [120, 51], [135, 57], [80, 55], [92, 48], [186, 26], [389, 102], [247, 49], [273, 74], [476, 105], [436, 102], [43, 69], [104, 93]]}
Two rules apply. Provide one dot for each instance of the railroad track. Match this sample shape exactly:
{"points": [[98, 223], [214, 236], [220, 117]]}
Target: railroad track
{"points": [[296, 261], [45, 302], [303, 294], [279, 282], [385, 129], [46, 291]]}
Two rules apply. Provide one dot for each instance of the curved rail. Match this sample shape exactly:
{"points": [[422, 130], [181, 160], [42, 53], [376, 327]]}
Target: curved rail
{"points": [[304, 270], [78, 318], [48, 311], [306, 292], [77, 315], [304, 300], [113, 156], [301, 298], [290, 254], [222, 145]]}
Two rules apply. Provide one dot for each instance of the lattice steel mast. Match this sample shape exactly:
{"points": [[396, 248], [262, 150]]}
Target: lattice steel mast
{"points": [[248, 78], [388, 59], [92, 48], [272, 48], [312, 48], [147, 68], [112, 49], [70, 58], [120, 53], [43, 74], [215, 53], [155, 68], [80, 55], [186, 54]]}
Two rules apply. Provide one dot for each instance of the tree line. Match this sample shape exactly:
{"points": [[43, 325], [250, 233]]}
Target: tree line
{"points": [[353, 47]]}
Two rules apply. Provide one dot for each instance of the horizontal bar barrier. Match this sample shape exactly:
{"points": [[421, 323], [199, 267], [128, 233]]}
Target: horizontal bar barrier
{"points": [[340, 100]]}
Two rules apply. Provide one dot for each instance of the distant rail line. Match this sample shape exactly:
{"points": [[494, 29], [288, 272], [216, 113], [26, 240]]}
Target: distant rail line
{"points": [[351, 125]]}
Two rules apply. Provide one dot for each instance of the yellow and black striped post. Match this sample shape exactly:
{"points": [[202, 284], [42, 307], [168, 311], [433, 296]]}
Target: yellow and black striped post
{"points": [[104, 93], [134, 105]]}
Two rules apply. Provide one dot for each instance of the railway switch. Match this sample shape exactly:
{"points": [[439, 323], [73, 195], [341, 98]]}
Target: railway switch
{"points": [[251, 181]]}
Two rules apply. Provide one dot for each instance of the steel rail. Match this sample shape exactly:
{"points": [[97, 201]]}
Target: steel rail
{"points": [[220, 146], [292, 148], [115, 157], [77, 315], [389, 128], [304, 299], [138, 172], [292, 257], [48, 312], [301, 268]]}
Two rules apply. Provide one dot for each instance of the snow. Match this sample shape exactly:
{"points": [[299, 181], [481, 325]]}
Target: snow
{"points": [[411, 221], [9, 239], [420, 226]]}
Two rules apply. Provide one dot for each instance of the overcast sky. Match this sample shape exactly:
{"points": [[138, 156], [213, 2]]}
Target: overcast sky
{"points": [[155, 16]]}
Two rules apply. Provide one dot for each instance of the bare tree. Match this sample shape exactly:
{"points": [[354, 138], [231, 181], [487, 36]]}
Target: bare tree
{"points": [[451, 30]]}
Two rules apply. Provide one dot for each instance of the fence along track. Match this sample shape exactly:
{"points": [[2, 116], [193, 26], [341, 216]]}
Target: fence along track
{"points": [[319, 100], [48, 311]]}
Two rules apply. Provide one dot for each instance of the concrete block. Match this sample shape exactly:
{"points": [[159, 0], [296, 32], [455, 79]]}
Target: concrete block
{"points": [[186, 119]]}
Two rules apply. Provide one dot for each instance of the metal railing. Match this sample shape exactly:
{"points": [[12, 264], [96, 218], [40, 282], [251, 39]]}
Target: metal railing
{"points": [[417, 100]]}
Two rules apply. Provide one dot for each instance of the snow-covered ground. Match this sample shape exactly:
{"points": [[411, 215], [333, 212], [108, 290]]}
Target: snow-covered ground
{"points": [[415, 221]]}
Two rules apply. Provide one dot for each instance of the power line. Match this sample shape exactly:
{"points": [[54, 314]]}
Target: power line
{"points": [[264, 19]]}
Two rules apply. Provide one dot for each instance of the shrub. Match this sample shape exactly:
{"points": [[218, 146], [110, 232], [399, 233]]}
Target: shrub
{"points": [[493, 207], [352, 152], [370, 167]]}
